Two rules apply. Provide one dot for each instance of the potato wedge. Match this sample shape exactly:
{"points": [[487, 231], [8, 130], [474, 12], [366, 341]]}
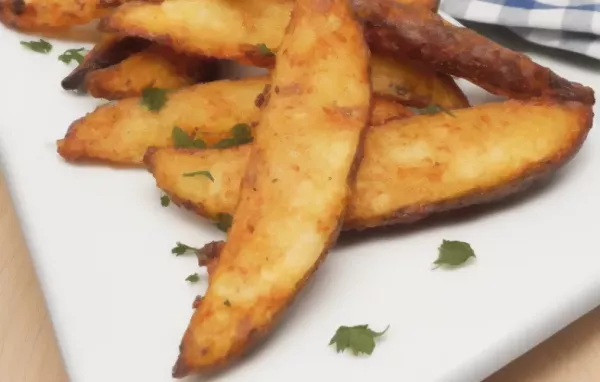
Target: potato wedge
{"points": [[120, 133], [157, 66], [404, 32], [52, 15], [308, 138], [414, 86], [111, 50], [411, 168], [245, 28]]}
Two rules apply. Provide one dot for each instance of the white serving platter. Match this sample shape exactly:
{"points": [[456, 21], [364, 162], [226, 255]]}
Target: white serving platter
{"points": [[101, 243]]}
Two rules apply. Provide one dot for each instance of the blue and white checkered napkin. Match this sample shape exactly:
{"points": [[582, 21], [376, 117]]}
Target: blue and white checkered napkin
{"points": [[572, 25]]}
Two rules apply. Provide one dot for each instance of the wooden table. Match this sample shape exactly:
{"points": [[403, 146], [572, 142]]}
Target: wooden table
{"points": [[28, 350]]}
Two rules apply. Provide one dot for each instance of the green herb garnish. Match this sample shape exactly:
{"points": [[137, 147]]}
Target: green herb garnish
{"points": [[264, 50], [164, 201], [193, 278], [359, 339], [182, 139], [453, 253], [203, 173], [181, 249], [73, 54], [240, 134], [154, 99], [41, 46]]}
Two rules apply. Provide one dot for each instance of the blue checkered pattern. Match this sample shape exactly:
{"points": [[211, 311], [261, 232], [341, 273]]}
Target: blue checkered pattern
{"points": [[572, 25]]}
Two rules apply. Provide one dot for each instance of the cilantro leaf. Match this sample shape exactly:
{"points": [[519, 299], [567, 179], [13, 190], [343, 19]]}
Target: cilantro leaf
{"points": [[240, 134], [432, 109], [359, 339], [73, 54], [203, 173], [264, 50], [224, 221], [453, 253], [154, 99], [41, 46], [164, 201], [182, 139], [193, 278], [181, 249]]}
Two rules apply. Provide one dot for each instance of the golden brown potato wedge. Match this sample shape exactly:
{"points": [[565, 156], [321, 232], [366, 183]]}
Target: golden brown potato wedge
{"points": [[404, 32], [121, 132], [51, 15], [411, 168], [111, 50], [157, 66], [413, 85], [308, 139], [246, 29]]}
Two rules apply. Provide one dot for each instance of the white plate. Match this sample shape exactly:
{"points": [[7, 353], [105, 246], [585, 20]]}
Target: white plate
{"points": [[101, 242]]}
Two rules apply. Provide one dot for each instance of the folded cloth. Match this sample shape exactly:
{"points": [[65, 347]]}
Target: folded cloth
{"points": [[572, 25]]}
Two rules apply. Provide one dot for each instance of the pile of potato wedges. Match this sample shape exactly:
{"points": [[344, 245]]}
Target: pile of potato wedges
{"points": [[357, 122]]}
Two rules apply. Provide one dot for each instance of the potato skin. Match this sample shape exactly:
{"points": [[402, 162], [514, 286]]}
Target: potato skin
{"points": [[411, 168], [405, 32], [282, 230], [263, 22], [111, 50], [157, 66], [413, 85]]}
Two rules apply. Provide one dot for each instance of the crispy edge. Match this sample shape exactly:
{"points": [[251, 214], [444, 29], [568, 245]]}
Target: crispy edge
{"points": [[250, 335], [110, 51], [414, 86], [157, 66], [411, 33]]}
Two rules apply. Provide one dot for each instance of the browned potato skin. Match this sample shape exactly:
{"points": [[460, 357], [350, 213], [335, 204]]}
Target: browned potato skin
{"points": [[404, 32], [301, 124], [111, 50], [121, 133], [263, 22], [157, 66], [53, 15], [415, 86], [411, 168]]}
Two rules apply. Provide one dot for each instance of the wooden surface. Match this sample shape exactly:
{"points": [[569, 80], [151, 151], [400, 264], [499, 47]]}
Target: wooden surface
{"points": [[28, 351]]}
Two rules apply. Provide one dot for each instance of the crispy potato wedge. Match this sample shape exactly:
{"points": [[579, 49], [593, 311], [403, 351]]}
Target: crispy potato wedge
{"points": [[405, 32], [308, 138], [51, 15], [120, 133], [413, 85], [411, 168], [243, 26], [157, 66], [111, 50]]}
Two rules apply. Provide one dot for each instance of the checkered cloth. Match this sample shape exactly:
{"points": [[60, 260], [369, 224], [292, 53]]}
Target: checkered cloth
{"points": [[572, 25]]}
